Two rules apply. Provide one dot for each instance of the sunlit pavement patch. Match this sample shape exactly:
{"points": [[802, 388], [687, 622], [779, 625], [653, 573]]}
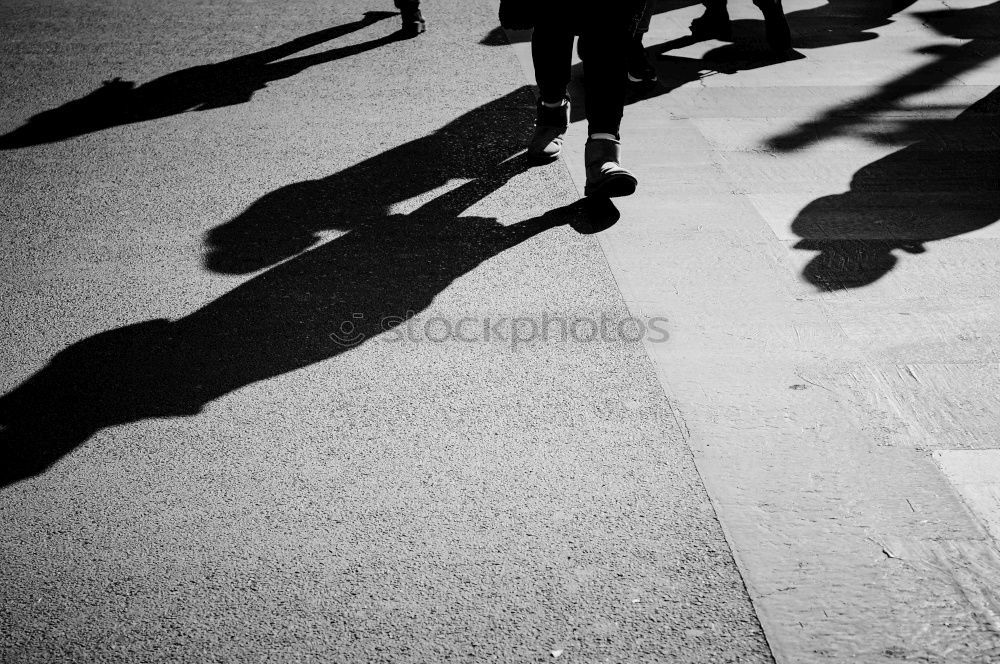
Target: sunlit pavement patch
{"points": [[975, 474]]}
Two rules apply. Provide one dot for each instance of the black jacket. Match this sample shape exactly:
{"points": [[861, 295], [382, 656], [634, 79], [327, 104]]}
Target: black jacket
{"points": [[526, 14]]}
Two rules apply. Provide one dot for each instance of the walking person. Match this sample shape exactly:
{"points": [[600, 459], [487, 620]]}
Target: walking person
{"points": [[608, 29]]}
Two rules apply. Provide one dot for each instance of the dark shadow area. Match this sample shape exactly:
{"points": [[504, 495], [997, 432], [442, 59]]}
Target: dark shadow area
{"points": [[593, 215], [664, 6], [308, 309], [741, 55], [495, 37], [500, 37], [981, 25], [291, 219], [841, 22], [945, 185], [748, 50], [200, 88], [675, 71], [835, 23]]}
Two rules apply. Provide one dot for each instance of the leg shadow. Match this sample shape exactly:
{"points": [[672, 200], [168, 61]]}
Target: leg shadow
{"points": [[200, 88]]}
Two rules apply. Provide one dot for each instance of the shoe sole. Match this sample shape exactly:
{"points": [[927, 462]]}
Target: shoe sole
{"points": [[616, 186]]}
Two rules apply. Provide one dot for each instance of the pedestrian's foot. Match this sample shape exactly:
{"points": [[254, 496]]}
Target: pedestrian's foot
{"points": [[713, 24], [550, 128], [639, 68], [413, 22], [606, 178]]}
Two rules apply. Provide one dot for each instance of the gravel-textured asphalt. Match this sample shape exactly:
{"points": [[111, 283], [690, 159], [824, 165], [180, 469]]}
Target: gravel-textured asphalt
{"points": [[235, 425]]}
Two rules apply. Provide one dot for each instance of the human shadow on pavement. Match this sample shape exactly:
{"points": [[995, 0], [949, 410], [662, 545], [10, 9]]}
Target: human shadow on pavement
{"points": [[979, 25], [945, 185], [674, 72], [835, 23], [678, 71], [200, 88], [311, 307], [293, 218], [840, 22]]}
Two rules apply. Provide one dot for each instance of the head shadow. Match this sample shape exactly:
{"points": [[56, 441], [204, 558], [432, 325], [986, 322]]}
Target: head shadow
{"points": [[204, 87]]}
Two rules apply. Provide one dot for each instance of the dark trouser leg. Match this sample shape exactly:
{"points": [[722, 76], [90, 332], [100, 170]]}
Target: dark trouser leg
{"points": [[714, 23], [645, 19], [715, 7], [608, 29], [604, 74], [779, 36], [552, 54]]}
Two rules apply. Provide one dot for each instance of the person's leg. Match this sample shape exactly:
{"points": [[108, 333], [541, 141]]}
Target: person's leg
{"points": [[609, 32], [412, 19], [640, 70], [552, 54], [714, 23], [604, 75], [645, 19], [779, 36]]}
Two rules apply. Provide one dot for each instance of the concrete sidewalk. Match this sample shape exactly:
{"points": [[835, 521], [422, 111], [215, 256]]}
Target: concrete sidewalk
{"points": [[263, 400], [820, 233]]}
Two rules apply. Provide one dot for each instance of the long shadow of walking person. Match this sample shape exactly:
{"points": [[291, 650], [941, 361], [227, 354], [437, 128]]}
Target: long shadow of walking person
{"points": [[954, 61], [945, 185], [307, 309], [200, 88], [292, 218], [835, 23]]}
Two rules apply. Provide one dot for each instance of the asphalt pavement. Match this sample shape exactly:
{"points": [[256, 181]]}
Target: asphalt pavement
{"points": [[263, 396], [302, 360]]}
